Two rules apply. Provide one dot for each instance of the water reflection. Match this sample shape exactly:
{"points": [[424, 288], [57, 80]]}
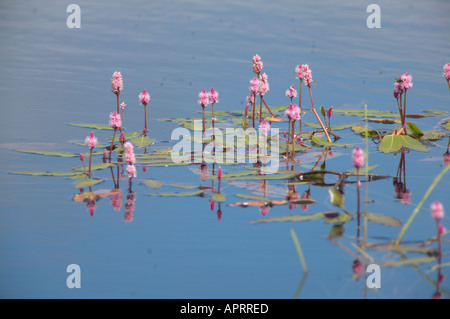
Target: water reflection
{"points": [[399, 181]]}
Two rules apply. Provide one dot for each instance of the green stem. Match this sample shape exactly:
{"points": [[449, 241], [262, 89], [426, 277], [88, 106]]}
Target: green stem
{"points": [[260, 110], [293, 141], [448, 82], [145, 106], [203, 110], [288, 141], [416, 210], [404, 113], [117, 94], [358, 212], [299, 251], [366, 153], [300, 103]]}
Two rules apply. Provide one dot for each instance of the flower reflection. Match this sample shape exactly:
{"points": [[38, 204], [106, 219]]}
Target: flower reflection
{"points": [[306, 195], [219, 213], [117, 199], [264, 210], [91, 205], [129, 207], [399, 182], [357, 269]]}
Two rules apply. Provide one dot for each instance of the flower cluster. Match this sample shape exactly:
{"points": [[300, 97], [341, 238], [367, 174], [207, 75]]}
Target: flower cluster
{"points": [[293, 112], [358, 157], [291, 92], [304, 73], [91, 141], [115, 121], [257, 64], [263, 85], [130, 159], [144, 97], [446, 73], [401, 84], [203, 98], [117, 83]]}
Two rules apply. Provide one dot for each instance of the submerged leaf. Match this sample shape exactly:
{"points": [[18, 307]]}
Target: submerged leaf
{"points": [[180, 194], [361, 112], [41, 173], [142, 141], [218, 197], [333, 128], [94, 167], [321, 142]]}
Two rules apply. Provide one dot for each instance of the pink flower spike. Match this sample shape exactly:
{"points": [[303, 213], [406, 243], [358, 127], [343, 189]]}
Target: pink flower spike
{"points": [[441, 229], [257, 64], [144, 97], [91, 206], [203, 98], [263, 86], [212, 204], [254, 86], [406, 81], [81, 157], [265, 128], [330, 110], [129, 153], [447, 71], [437, 211], [214, 96], [91, 141], [264, 210], [122, 105], [117, 83], [219, 173], [104, 153], [292, 92], [246, 110], [251, 98], [358, 157], [115, 121]]}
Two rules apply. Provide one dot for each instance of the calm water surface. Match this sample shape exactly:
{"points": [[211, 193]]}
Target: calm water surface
{"points": [[177, 247]]}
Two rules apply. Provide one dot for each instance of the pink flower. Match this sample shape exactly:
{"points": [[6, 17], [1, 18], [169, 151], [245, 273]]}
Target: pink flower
{"points": [[219, 173], [122, 105], [81, 157], [131, 171], [406, 81], [304, 73], [219, 213], [91, 141], [437, 211], [306, 195], [254, 86], [104, 153], [441, 229], [447, 71], [263, 86], [293, 112], [358, 157], [406, 197], [265, 128], [117, 82], [115, 121], [144, 97], [264, 210], [257, 64], [329, 111], [214, 96], [203, 98], [251, 98], [291, 93], [446, 159], [116, 200], [246, 110], [129, 153]]}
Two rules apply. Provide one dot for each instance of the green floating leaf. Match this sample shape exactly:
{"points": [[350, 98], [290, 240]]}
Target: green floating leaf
{"points": [[362, 171], [338, 218], [152, 183], [180, 194], [290, 218], [49, 153], [408, 262], [94, 167], [358, 129], [336, 231], [203, 187], [383, 219], [361, 112], [394, 143], [95, 126], [219, 197], [41, 173], [435, 113], [333, 128], [88, 182], [232, 175], [128, 136], [433, 135], [321, 142], [142, 141], [414, 129], [446, 125]]}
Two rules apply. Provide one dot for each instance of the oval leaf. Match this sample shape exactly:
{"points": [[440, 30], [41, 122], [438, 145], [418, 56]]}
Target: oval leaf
{"points": [[152, 183], [88, 182], [142, 141]]}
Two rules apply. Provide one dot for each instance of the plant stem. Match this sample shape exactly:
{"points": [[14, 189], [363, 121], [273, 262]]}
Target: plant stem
{"points": [[90, 159], [448, 82], [112, 143], [300, 103], [117, 94], [293, 141], [203, 111], [358, 213], [260, 110], [416, 210], [268, 108], [288, 141], [318, 118], [404, 113]]}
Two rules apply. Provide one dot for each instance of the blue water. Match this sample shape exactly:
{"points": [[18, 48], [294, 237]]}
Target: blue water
{"points": [[176, 247]]}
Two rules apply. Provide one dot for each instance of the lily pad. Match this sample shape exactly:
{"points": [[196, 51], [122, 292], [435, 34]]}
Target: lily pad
{"points": [[95, 126], [359, 129], [297, 218], [321, 142], [88, 182], [94, 167], [142, 141], [49, 153], [361, 112], [41, 173], [218, 197], [333, 128], [362, 170], [152, 183], [394, 143]]}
